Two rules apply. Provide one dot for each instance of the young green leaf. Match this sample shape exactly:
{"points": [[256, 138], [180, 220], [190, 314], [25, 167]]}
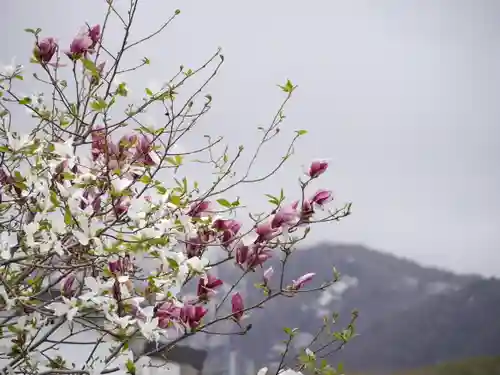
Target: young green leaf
{"points": [[224, 202]]}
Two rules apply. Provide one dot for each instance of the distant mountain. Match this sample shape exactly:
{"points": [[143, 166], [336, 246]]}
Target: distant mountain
{"points": [[410, 316], [450, 327], [474, 366]]}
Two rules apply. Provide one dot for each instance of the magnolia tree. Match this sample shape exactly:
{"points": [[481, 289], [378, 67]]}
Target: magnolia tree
{"points": [[84, 207]]}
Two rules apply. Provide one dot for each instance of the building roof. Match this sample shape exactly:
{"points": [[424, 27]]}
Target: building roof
{"points": [[181, 354]]}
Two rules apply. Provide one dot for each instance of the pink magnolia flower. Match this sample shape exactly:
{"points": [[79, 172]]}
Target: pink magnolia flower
{"points": [[268, 274], [322, 196], [285, 216], [251, 257], [80, 46], [317, 168], [206, 286], [95, 35], [114, 266], [266, 231], [229, 228], [144, 151], [5, 179], [237, 306], [302, 280], [192, 315], [258, 256], [126, 142], [122, 205], [198, 208], [167, 313], [45, 49], [242, 254], [67, 286], [99, 142]]}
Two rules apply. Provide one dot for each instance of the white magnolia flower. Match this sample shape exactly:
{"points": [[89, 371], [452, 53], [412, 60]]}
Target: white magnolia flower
{"points": [[120, 184], [17, 143], [123, 322], [9, 303], [164, 226], [50, 242], [88, 230], [310, 353], [7, 241], [198, 264], [21, 322], [289, 372], [149, 328], [30, 230], [64, 150], [11, 69], [138, 210], [96, 287], [262, 371], [67, 307]]}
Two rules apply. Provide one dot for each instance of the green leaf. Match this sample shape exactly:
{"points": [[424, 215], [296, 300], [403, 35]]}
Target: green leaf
{"points": [[99, 105], [26, 100], [172, 263], [301, 132], [122, 89], [130, 365], [145, 179], [224, 202], [67, 216], [288, 87], [149, 92], [53, 198], [146, 61], [175, 200], [273, 199], [90, 66]]}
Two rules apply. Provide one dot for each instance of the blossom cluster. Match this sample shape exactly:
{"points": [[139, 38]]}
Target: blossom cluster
{"points": [[83, 209]]}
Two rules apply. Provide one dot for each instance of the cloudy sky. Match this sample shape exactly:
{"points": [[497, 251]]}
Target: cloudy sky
{"points": [[401, 96]]}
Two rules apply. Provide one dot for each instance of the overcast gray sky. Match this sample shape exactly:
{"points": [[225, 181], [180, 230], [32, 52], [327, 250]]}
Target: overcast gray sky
{"points": [[402, 96]]}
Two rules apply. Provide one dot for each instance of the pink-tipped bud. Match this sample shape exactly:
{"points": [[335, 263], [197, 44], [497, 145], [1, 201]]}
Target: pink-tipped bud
{"points": [[322, 196], [302, 280], [317, 168], [268, 274], [237, 306]]}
